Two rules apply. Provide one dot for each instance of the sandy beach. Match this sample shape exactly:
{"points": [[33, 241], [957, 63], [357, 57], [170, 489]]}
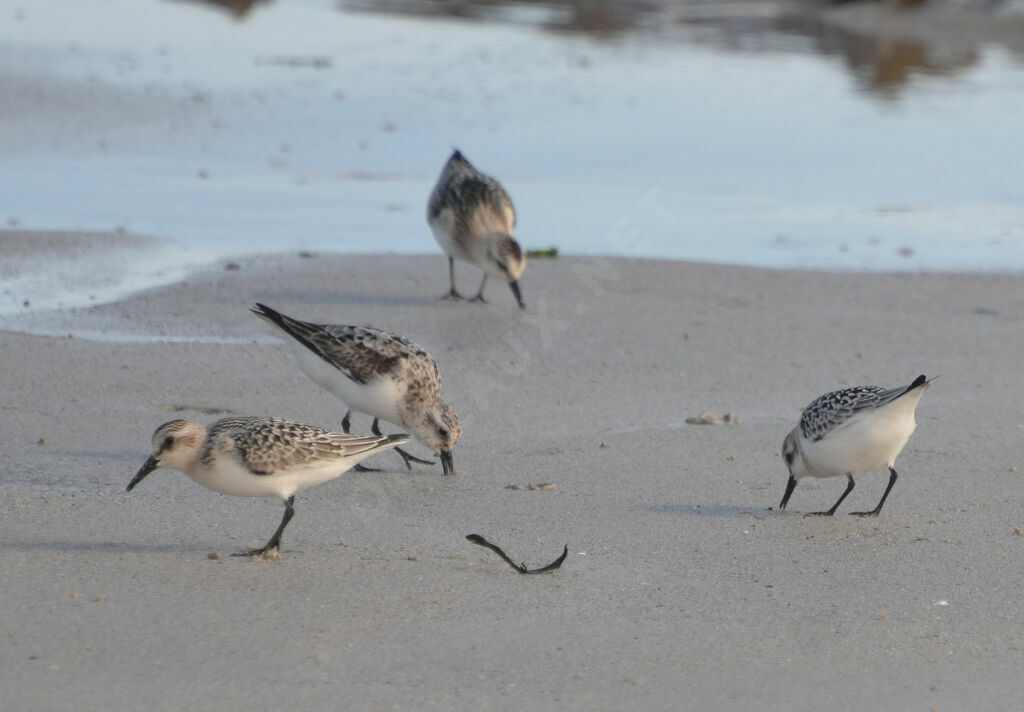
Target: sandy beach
{"points": [[684, 588]]}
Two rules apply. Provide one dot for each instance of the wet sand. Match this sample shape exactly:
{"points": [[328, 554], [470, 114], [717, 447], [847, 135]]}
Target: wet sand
{"points": [[683, 588]]}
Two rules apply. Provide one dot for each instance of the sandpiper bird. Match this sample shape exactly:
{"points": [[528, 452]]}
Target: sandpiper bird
{"points": [[259, 457], [377, 373], [852, 431], [472, 219]]}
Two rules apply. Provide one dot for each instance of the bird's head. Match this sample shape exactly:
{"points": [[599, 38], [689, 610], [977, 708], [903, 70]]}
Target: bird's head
{"points": [[506, 259], [794, 463], [439, 429], [175, 444]]}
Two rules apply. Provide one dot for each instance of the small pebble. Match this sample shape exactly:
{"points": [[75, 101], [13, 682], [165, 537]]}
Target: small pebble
{"points": [[539, 486], [709, 418], [214, 556]]}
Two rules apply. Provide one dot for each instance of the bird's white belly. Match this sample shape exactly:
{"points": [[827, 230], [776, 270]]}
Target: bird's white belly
{"points": [[378, 398], [443, 227], [473, 250], [868, 443], [228, 476]]}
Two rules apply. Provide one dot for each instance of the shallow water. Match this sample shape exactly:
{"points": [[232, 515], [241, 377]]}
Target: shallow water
{"points": [[727, 132]]}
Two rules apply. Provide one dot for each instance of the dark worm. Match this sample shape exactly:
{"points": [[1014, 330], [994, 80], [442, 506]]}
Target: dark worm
{"points": [[521, 568]]}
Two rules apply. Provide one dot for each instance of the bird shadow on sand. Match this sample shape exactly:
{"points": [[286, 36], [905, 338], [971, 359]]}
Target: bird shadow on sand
{"points": [[714, 510], [310, 298], [97, 547]]}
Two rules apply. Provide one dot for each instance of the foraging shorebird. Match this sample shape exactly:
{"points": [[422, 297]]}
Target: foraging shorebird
{"points": [[852, 431], [472, 219], [377, 373], [259, 457]]}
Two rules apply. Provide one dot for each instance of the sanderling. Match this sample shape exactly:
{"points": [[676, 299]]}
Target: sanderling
{"points": [[852, 431], [472, 218], [377, 373], [259, 457]]}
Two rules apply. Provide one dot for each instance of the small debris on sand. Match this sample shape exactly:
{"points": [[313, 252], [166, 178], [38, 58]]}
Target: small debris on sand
{"points": [[709, 418]]}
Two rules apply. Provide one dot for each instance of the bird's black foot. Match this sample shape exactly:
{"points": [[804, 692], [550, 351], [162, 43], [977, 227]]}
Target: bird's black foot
{"points": [[873, 513], [267, 551], [411, 458], [479, 298], [452, 296], [364, 468], [819, 514]]}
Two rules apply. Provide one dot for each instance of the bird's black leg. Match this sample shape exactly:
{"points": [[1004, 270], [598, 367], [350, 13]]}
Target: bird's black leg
{"points": [[874, 512], [452, 293], [275, 541], [480, 293], [375, 429], [829, 513], [345, 424]]}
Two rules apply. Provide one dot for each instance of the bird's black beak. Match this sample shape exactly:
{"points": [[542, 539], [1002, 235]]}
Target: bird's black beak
{"points": [[151, 464], [790, 486], [514, 286], [446, 462]]}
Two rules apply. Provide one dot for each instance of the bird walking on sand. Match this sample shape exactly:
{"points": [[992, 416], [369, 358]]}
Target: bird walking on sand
{"points": [[852, 431], [259, 457], [472, 219], [377, 373]]}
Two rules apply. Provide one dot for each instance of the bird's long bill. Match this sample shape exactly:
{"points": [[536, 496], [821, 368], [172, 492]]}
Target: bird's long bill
{"points": [[446, 462], [790, 486], [514, 286], [150, 465]]}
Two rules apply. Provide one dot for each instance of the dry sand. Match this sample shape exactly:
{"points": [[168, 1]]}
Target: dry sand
{"points": [[684, 588]]}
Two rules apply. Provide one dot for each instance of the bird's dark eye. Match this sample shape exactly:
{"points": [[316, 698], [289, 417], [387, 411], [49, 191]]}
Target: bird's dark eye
{"points": [[168, 441], [443, 432], [789, 457]]}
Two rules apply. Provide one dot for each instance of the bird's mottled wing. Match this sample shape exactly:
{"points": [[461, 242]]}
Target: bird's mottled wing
{"points": [[364, 353], [269, 445], [833, 409], [479, 193], [472, 197]]}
